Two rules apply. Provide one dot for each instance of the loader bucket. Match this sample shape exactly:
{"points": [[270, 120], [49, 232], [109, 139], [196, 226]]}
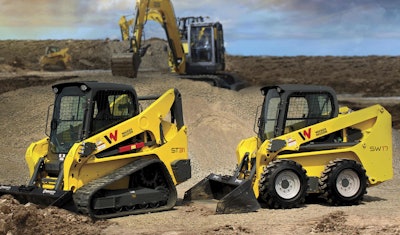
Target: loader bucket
{"points": [[234, 195], [125, 64], [36, 195]]}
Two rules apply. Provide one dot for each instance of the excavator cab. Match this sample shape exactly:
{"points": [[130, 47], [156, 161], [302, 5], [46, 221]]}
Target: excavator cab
{"points": [[206, 48]]}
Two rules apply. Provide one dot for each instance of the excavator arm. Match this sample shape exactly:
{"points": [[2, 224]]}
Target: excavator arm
{"points": [[160, 11], [124, 25]]}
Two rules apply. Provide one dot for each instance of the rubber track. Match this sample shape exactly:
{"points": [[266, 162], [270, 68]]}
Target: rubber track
{"points": [[83, 196]]}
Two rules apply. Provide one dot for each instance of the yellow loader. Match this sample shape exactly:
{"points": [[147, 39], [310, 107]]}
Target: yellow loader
{"points": [[55, 59], [306, 145], [105, 156]]}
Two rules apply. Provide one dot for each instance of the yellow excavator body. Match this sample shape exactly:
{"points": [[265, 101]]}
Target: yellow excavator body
{"points": [[196, 48]]}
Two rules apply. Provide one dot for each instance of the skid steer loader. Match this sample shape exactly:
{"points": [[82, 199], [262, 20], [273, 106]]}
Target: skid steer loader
{"points": [[305, 145], [55, 59], [105, 157]]}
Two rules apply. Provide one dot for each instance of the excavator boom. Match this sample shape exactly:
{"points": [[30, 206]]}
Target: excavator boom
{"points": [[127, 64]]}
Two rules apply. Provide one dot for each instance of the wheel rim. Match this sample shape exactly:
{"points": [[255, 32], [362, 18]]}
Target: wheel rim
{"points": [[287, 184], [348, 183]]}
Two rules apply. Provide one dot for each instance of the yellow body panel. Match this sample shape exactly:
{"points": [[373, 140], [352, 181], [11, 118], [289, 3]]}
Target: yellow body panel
{"points": [[34, 152]]}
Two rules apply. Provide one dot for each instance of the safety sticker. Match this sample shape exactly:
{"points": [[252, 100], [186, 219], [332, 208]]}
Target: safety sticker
{"points": [[100, 145], [291, 142]]}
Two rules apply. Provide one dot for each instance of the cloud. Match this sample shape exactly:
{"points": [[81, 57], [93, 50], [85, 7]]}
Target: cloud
{"points": [[250, 20]]}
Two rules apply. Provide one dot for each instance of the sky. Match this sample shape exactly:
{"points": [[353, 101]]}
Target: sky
{"points": [[251, 27]]}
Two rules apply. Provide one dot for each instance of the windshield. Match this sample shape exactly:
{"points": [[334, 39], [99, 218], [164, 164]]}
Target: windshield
{"points": [[269, 115], [68, 116], [305, 110], [201, 44], [110, 108]]}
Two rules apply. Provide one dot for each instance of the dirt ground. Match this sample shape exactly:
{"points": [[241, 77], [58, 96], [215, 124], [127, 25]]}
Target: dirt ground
{"points": [[218, 116]]}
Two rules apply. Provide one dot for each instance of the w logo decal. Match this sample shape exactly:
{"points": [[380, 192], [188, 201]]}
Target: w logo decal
{"points": [[112, 136], [306, 134]]}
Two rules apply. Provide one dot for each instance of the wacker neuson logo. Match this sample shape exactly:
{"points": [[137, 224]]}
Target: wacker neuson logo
{"points": [[51, 192], [5, 187]]}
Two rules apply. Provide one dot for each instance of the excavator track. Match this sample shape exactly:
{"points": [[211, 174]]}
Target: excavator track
{"points": [[152, 192], [222, 80]]}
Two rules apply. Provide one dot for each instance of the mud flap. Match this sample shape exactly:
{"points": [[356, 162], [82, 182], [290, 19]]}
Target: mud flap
{"points": [[234, 195], [39, 196]]}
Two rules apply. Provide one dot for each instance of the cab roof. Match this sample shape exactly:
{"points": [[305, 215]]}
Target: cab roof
{"points": [[95, 86]]}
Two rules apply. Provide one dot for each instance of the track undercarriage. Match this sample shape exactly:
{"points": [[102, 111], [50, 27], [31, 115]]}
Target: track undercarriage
{"points": [[150, 190]]}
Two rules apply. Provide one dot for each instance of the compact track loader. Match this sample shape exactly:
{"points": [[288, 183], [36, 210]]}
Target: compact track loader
{"points": [[55, 59], [105, 157], [305, 145]]}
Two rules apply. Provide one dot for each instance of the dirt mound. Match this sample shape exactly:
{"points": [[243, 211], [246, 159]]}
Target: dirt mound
{"points": [[369, 75], [217, 120], [366, 76], [86, 54], [30, 219], [338, 223]]}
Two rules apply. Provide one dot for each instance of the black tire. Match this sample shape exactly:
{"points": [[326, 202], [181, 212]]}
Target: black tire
{"points": [[343, 182], [283, 185]]}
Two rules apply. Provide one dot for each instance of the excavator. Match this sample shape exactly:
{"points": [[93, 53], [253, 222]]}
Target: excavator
{"points": [[106, 156], [196, 48], [306, 146]]}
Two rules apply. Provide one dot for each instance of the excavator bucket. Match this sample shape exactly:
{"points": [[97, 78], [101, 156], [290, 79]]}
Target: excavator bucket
{"points": [[125, 64], [36, 195], [234, 195]]}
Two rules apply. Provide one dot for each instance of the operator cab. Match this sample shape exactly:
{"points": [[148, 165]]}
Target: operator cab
{"points": [[288, 108], [83, 109], [206, 48]]}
